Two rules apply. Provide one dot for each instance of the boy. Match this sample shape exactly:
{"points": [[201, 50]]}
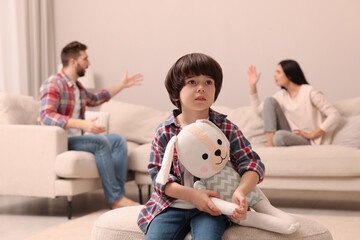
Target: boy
{"points": [[193, 84]]}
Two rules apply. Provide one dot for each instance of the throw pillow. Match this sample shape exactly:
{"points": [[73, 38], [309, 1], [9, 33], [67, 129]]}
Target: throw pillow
{"points": [[250, 123], [136, 123], [17, 109], [348, 134], [103, 119]]}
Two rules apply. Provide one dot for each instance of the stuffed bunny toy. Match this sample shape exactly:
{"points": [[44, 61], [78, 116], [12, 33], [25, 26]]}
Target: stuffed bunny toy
{"points": [[204, 151]]}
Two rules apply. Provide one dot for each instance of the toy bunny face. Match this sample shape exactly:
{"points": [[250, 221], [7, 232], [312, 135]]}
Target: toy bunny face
{"points": [[202, 148]]}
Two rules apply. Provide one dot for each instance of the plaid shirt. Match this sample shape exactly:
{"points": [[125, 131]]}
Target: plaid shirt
{"points": [[241, 155], [57, 99]]}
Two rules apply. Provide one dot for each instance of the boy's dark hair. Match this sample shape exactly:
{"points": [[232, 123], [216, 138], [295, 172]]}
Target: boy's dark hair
{"points": [[190, 65], [71, 50], [293, 72]]}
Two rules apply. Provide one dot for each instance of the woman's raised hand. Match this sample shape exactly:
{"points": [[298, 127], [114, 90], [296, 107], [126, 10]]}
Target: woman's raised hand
{"points": [[253, 77]]}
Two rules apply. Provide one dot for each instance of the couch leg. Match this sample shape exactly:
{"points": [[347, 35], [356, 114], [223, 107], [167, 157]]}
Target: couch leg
{"points": [[69, 200], [140, 194]]}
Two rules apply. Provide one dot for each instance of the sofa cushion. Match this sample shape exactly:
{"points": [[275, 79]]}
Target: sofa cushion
{"points": [[348, 107], [310, 161], [134, 122], [76, 164], [139, 158], [17, 109], [131, 146], [248, 121], [348, 134]]}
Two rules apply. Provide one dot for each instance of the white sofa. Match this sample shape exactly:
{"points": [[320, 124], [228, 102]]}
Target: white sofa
{"points": [[326, 172], [35, 161]]}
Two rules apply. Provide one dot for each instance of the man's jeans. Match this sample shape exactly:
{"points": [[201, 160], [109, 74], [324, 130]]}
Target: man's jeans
{"points": [[110, 152]]}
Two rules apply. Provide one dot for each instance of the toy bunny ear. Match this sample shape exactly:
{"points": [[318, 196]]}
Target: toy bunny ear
{"points": [[167, 161], [208, 122]]}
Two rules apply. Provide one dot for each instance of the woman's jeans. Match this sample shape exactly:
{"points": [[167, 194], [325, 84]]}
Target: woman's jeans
{"points": [[275, 121], [176, 223], [110, 152]]}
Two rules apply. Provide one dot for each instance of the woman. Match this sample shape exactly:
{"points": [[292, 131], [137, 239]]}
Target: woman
{"points": [[298, 114]]}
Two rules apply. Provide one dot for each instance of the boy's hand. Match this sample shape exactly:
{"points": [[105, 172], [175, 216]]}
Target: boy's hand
{"points": [[239, 198], [201, 200]]}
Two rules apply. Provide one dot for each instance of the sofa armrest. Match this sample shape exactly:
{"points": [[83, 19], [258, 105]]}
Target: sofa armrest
{"points": [[27, 159]]}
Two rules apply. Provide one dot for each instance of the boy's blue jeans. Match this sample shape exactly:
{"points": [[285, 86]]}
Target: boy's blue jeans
{"points": [[175, 223], [110, 152]]}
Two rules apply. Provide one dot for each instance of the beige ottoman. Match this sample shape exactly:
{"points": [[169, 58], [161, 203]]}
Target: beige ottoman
{"points": [[121, 224]]}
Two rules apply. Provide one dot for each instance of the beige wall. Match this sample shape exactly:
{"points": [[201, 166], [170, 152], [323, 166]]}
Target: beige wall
{"points": [[149, 36]]}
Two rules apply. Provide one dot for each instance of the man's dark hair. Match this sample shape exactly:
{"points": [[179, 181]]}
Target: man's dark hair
{"points": [[191, 65], [71, 50]]}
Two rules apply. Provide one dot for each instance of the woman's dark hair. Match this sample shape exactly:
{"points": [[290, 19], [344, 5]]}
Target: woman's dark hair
{"points": [[293, 72], [191, 65], [71, 50]]}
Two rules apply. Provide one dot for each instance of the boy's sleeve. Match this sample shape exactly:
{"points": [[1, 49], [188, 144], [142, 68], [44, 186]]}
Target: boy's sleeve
{"points": [[156, 157], [243, 156]]}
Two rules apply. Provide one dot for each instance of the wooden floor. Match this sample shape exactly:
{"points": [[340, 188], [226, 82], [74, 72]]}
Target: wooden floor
{"points": [[21, 217]]}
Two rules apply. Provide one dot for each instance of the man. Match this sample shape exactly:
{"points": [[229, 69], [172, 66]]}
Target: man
{"points": [[63, 101]]}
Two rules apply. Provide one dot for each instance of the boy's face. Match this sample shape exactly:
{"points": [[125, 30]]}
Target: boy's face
{"points": [[198, 93]]}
